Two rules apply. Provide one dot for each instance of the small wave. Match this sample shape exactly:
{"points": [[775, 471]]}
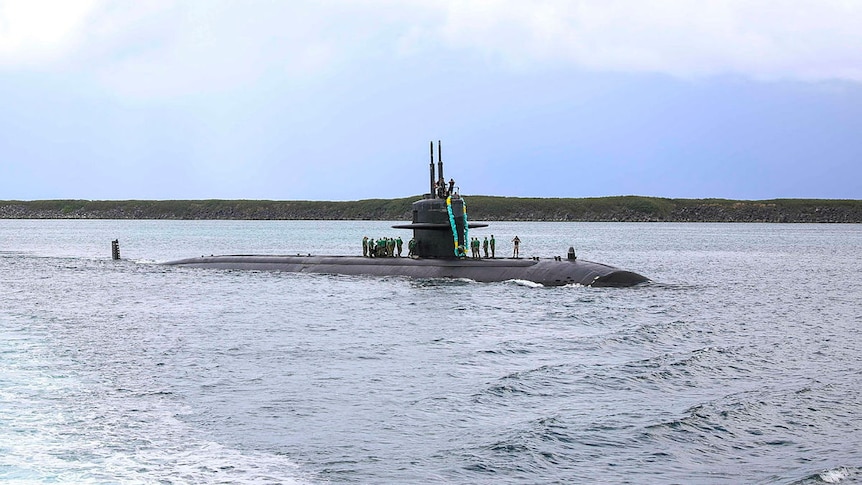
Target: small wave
{"points": [[504, 390], [507, 349], [521, 453], [527, 283], [575, 285], [540, 382], [841, 474], [835, 475], [436, 282]]}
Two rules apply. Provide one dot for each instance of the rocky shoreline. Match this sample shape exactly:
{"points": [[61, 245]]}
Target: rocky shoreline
{"points": [[481, 208]]}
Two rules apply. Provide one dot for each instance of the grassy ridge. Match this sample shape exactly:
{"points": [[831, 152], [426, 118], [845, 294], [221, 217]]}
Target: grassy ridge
{"points": [[488, 208]]}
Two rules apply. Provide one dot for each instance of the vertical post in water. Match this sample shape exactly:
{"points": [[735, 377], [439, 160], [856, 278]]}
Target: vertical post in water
{"points": [[115, 249]]}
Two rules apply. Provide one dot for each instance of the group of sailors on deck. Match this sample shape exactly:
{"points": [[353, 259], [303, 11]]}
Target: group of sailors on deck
{"points": [[384, 247], [475, 246], [387, 247]]}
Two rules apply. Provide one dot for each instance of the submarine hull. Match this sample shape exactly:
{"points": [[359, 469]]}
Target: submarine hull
{"points": [[548, 272], [438, 249]]}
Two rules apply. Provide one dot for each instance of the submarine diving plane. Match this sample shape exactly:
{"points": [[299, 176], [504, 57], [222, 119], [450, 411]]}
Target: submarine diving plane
{"points": [[440, 234]]}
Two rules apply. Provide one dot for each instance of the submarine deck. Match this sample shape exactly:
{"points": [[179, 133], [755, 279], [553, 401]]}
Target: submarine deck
{"points": [[548, 272]]}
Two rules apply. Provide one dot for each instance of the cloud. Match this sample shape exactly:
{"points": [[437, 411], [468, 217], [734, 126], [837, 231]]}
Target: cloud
{"points": [[35, 32], [167, 48], [767, 39], [202, 47]]}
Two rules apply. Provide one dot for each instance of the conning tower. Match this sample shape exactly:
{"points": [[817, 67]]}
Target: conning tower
{"points": [[440, 226]]}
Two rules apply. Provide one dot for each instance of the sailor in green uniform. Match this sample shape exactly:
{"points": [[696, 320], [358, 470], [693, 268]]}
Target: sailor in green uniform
{"points": [[485, 246], [411, 248], [493, 244], [398, 244], [371, 248]]}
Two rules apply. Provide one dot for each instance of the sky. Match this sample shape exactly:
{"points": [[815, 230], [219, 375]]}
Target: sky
{"points": [[339, 99]]}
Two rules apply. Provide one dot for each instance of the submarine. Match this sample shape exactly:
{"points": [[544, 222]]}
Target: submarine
{"points": [[439, 251]]}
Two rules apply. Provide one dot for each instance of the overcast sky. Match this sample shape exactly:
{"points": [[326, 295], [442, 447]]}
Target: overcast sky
{"points": [[338, 100]]}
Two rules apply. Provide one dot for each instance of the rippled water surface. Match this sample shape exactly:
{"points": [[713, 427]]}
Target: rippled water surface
{"points": [[739, 363]]}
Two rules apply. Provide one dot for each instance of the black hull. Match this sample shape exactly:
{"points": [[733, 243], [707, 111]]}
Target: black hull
{"points": [[548, 272]]}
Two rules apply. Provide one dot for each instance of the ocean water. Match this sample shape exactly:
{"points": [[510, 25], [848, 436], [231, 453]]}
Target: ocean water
{"points": [[738, 363]]}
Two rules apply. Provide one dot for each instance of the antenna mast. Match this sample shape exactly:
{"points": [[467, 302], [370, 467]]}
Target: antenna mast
{"points": [[440, 161], [431, 193]]}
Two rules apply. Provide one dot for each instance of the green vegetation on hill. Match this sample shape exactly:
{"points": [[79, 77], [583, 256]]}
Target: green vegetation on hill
{"points": [[481, 208]]}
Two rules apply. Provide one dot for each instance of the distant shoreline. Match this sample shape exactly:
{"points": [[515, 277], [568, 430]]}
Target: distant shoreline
{"points": [[481, 208]]}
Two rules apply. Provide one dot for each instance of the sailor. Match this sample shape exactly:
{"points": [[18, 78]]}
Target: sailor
{"points": [[493, 244], [411, 248], [390, 247], [451, 186], [485, 246], [516, 242], [399, 243], [365, 246], [371, 248]]}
